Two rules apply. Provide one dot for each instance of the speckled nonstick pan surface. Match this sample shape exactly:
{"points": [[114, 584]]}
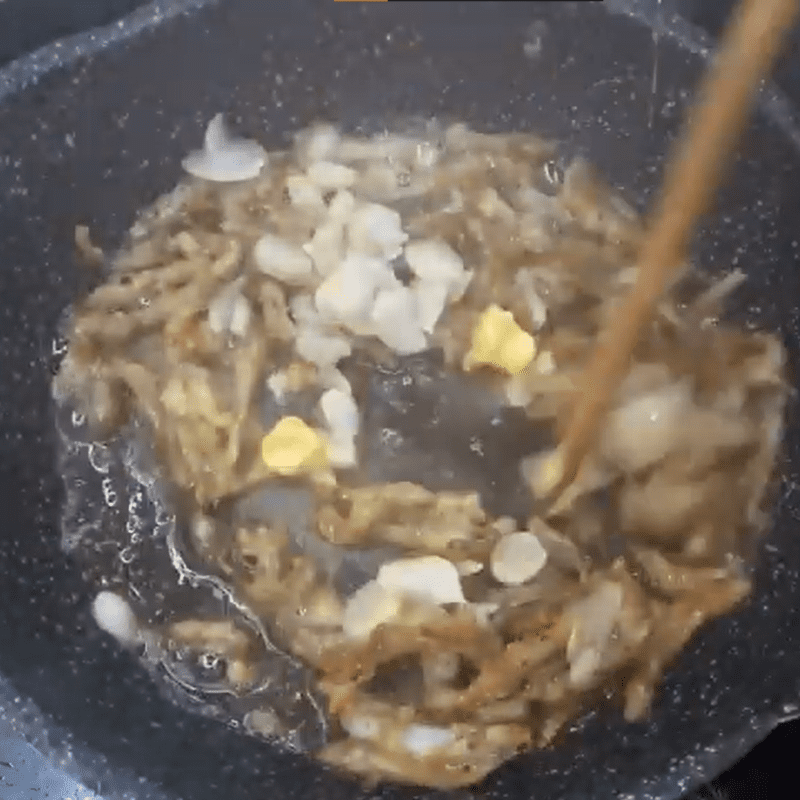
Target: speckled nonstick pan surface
{"points": [[94, 128]]}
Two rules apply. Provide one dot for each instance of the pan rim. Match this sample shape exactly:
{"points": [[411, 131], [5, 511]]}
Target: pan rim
{"points": [[660, 15], [24, 73]]}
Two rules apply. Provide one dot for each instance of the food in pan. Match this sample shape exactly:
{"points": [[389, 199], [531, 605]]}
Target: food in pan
{"points": [[342, 370]]}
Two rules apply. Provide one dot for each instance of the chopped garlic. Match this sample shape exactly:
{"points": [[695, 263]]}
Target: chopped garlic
{"points": [[536, 306], [441, 278], [281, 259], [396, 320], [225, 158], [332, 378], [648, 426], [320, 348], [293, 448], [483, 612], [423, 739], [341, 416], [504, 525], [229, 312], [114, 616], [328, 175], [303, 311], [430, 578], [427, 155], [370, 606], [303, 193], [347, 295], [240, 316], [317, 144], [342, 206], [262, 721], [434, 260], [361, 727], [500, 342], [278, 383], [517, 558], [344, 297], [627, 276], [376, 230], [326, 247], [187, 244], [388, 147], [203, 531], [341, 452], [518, 392], [493, 206], [593, 619], [545, 363], [340, 411], [431, 300]]}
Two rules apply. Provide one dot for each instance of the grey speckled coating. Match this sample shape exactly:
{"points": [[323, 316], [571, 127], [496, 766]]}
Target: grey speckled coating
{"points": [[27, 70], [92, 130]]}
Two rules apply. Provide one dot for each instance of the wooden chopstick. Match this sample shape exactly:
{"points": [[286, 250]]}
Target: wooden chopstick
{"points": [[721, 111]]}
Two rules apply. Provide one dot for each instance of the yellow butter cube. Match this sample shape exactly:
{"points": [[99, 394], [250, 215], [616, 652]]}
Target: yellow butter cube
{"points": [[499, 342], [293, 448], [548, 473]]}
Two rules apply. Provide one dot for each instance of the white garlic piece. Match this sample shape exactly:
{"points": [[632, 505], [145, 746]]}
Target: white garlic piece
{"points": [[115, 616], [304, 193], [322, 349], [431, 301], [376, 230], [328, 175], [281, 259], [225, 158], [423, 739], [434, 261], [396, 321], [340, 411], [370, 606], [428, 578], [517, 558], [348, 294]]}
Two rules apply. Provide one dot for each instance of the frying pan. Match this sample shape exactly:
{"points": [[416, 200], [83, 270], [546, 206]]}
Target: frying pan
{"points": [[93, 128]]}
